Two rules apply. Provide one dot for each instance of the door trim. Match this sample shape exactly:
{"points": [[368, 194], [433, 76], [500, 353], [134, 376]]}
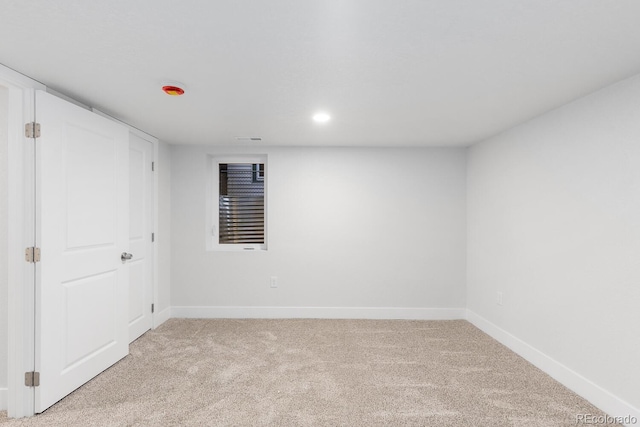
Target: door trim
{"points": [[21, 217]]}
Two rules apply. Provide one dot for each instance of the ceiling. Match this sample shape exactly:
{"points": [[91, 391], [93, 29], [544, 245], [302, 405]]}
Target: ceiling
{"points": [[389, 72]]}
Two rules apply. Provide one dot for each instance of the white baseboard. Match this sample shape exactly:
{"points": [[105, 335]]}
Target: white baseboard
{"points": [[595, 394], [225, 312], [3, 398], [160, 317]]}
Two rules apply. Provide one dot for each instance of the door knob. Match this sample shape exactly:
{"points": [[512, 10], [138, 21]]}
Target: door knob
{"points": [[125, 257]]}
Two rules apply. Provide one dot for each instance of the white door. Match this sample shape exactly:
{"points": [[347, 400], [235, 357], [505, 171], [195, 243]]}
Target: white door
{"points": [[140, 235], [83, 217]]}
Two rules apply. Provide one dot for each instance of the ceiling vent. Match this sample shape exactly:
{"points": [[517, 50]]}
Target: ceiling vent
{"points": [[248, 138]]}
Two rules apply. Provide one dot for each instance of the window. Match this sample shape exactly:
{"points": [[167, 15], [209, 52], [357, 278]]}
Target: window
{"points": [[238, 203]]}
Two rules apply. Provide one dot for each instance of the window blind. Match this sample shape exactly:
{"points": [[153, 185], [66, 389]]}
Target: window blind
{"points": [[241, 203]]}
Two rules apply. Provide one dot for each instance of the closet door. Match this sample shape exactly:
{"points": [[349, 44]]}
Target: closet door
{"points": [[82, 293], [140, 236]]}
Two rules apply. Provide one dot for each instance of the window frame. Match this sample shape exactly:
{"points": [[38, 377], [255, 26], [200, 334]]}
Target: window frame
{"points": [[213, 208]]}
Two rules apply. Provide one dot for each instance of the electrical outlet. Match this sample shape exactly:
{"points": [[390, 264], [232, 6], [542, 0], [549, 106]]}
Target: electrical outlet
{"points": [[274, 281], [499, 298]]}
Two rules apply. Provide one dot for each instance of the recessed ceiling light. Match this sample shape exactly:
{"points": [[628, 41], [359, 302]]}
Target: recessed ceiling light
{"points": [[321, 117]]}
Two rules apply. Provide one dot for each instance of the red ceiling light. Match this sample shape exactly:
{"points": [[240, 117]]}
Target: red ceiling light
{"points": [[173, 90]]}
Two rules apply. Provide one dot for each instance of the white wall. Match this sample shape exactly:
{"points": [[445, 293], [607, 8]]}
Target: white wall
{"points": [[554, 224], [347, 228], [4, 103], [163, 239]]}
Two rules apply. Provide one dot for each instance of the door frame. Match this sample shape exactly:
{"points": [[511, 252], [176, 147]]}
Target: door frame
{"points": [[21, 234]]}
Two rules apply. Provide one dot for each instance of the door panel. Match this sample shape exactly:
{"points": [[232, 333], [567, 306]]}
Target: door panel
{"points": [[136, 294], [91, 197], [90, 297], [82, 289], [141, 227]]}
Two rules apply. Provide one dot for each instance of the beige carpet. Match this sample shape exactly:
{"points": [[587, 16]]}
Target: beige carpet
{"points": [[317, 373]]}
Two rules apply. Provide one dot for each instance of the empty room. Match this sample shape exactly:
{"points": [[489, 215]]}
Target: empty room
{"points": [[293, 213]]}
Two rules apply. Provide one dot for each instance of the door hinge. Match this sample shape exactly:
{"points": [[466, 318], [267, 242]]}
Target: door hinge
{"points": [[32, 254], [32, 130], [32, 379], [153, 237], [153, 166], [152, 308]]}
